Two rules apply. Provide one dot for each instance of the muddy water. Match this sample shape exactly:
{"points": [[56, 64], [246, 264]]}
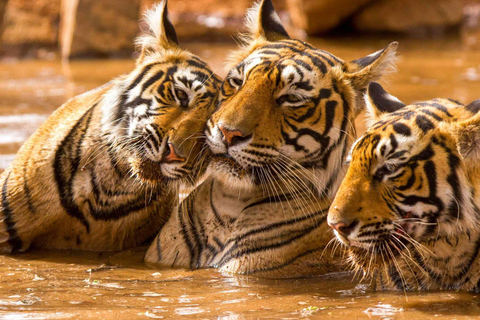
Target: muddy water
{"points": [[76, 285]]}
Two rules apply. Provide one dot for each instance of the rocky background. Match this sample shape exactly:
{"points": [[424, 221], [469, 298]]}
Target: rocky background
{"points": [[106, 28]]}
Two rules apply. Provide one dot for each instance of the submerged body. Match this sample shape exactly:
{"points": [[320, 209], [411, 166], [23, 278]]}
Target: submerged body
{"points": [[278, 137], [99, 173], [408, 208], [283, 234], [76, 195]]}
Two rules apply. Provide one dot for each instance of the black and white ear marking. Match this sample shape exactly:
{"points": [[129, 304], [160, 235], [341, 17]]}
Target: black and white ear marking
{"points": [[381, 100], [167, 26], [160, 35], [368, 60], [270, 23], [474, 106], [362, 71]]}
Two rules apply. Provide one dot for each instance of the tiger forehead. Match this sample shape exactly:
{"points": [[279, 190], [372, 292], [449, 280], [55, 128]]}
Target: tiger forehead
{"points": [[293, 55], [406, 125], [190, 67], [421, 117]]}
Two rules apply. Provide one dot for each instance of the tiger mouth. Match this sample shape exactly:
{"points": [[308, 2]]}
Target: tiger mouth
{"points": [[149, 171], [226, 160], [146, 170], [378, 253]]}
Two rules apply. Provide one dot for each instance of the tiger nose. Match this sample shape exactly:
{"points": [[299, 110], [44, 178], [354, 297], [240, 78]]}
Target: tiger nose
{"points": [[233, 137], [170, 155], [345, 228]]}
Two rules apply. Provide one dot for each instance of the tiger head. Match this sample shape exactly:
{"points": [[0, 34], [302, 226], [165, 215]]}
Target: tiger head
{"points": [[409, 182], [155, 116], [284, 104]]}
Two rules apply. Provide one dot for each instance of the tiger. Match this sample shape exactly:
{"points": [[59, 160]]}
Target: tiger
{"points": [[283, 124], [102, 172], [408, 207]]}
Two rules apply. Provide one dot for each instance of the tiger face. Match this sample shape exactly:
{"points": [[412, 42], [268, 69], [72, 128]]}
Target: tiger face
{"points": [[157, 114], [284, 104], [408, 185]]}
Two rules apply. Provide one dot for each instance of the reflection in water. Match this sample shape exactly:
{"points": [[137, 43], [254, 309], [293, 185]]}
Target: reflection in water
{"points": [[59, 285], [69, 284]]}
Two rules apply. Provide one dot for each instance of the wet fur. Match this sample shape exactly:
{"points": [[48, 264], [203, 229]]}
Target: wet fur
{"points": [[411, 196], [92, 177], [262, 210]]}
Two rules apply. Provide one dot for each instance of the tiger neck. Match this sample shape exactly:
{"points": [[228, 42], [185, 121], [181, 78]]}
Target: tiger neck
{"points": [[103, 158], [450, 262], [294, 196]]}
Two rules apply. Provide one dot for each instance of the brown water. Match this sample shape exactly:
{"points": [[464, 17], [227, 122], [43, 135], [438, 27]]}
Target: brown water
{"points": [[55, 285]]}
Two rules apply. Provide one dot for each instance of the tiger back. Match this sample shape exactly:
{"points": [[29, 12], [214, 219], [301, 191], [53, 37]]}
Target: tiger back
{"points": [[408, 208], [101, 172], [278, 138]]}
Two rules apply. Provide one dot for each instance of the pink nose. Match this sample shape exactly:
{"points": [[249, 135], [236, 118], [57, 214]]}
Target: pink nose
{"points": [[170, 155], [345, 228], [231, 136]]}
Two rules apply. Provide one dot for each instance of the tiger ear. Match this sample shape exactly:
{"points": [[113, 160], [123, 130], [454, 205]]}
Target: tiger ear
{"points": [[362, 71], [467, 134], [380, 102], [263, 22], [359, 73], [160, 35]]}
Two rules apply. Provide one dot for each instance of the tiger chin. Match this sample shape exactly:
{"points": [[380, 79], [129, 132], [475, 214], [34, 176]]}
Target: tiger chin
{"points": [[101, 172], [408, 208], [278, 137]]}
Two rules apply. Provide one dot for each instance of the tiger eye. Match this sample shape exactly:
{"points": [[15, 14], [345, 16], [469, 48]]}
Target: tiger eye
{"points": [[181, 95], [235, 82], [292, 98]]}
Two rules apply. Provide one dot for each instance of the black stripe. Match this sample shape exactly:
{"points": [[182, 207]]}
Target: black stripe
{"points": [[402, 129], [186, 237], [270, 52], [423, 123], [411, 180], [274, 199], [152, 80], [395, 277], [393, 142], [65, 165], [13, 239], [284, 264], [198, 64], [276, 225], [123, 98], [28, 193], [431, 114], [452, 179], [435, 105], [330, 107], [230, 255]]}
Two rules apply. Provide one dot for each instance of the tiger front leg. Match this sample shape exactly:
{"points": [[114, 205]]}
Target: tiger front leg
{"points": [[21, 218], [170, 248], [187, 240]]}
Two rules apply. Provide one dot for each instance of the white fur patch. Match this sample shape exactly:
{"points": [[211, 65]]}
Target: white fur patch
{"points": [[214, 139]]}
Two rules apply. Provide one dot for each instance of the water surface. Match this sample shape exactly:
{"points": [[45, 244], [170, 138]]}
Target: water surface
{"points": [[82, 285]]}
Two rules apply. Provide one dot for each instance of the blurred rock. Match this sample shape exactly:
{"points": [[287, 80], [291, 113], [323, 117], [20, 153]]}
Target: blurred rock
{"points": [[208, 19], [318, 16], [3, 5], [98, 27], [471, 25], [409, 15], [30, 24]]}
